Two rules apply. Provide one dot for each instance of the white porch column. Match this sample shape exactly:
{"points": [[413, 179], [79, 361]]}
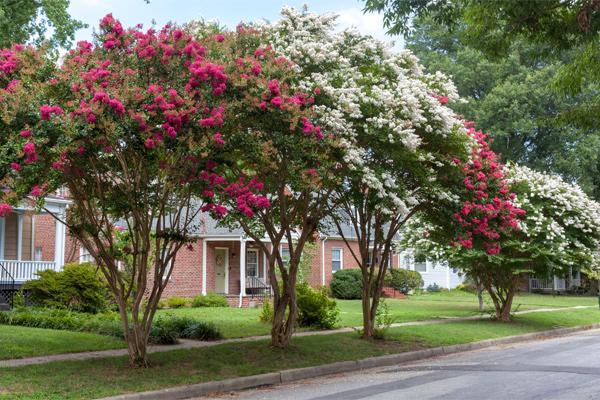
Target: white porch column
{"points": [[2, 238], [19, 237], [265, 276], [242, 269], [204, 267], [59, 243]]}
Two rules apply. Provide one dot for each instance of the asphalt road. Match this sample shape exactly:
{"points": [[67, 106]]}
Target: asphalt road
{"points": [[562, 368]]}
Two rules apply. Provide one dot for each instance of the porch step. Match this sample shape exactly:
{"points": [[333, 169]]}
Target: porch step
{"points": [[4, 307]]}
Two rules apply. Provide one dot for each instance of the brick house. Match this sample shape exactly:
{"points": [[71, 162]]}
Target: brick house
{"points": [[221, 260]]}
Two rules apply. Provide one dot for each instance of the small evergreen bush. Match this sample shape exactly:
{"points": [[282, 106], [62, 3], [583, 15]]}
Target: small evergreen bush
{"points": [[210, 300], [315, 309], [347, 284], [177, 302], [78, 287], [404, 280]]}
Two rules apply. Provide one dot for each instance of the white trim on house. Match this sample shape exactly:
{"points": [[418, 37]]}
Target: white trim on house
{"points": [[341, 260], [2, 236]]}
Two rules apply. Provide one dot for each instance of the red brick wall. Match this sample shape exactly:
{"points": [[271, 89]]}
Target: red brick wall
{"points": [[45, 230], [186, 276]]}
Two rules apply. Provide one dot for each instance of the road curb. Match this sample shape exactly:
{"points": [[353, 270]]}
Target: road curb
{"points": [[291, 375]]}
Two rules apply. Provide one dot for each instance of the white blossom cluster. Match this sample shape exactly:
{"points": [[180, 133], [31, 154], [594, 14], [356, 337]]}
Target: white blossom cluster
{"points": [[371, 92], [558, 213]]}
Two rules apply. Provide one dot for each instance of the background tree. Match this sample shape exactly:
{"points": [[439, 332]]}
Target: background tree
{"points": [[130, 125], [510, 97], [397, 139], [37, 21], [551, 27]]}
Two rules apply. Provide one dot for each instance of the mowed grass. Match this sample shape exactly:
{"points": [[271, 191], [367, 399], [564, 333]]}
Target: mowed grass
{"points": [[20, 342], [235, 322], [111, 376]]}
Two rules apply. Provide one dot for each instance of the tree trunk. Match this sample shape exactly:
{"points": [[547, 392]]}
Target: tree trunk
{"points": [[368, 319], [503, 313], [283, 325], [480, 297]]}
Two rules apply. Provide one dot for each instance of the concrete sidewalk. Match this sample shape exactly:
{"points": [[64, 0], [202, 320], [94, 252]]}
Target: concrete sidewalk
{"points": [[191, 344]]}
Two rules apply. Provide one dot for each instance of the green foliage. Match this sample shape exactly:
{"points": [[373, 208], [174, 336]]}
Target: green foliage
{"points": [[404, 280], [434, 288], [210, 300], [530, 133], [104, 323], [165, 330], [168, 328], [383, 320], [267, 313], [347, 284], [77, 287], [177, 302], [315, 308], [34, 21], [306, 262]]}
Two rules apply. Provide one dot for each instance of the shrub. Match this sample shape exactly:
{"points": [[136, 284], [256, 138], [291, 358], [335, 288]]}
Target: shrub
{"points": [[165, 330], [104, 324], [434, 288], [267, 312], [315, 309], [404, 280], [168, 328], [200, 330], [177, 302], [77, 287], [383, 320], [210, 300], [347, 284]]}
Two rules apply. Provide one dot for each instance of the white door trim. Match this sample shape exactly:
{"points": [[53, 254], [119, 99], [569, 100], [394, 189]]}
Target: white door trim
{"points": [[226, 267]]}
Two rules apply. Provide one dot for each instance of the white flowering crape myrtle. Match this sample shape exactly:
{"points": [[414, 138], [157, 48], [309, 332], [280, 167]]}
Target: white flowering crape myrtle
{"points": [[561, 229], [394, 129], [560, 218]]}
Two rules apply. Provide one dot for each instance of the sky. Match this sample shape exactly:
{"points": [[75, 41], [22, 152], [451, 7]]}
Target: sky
{"points": [[226, 12]]}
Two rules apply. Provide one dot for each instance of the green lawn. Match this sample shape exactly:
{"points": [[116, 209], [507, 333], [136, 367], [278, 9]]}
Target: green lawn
{"points": [[111, 376], [235, 322], [20, 342]]}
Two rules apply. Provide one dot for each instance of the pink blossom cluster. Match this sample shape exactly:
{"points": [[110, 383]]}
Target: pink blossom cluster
{"points": [[441, 99], [46, 111], [5, 209], [487, 211]]}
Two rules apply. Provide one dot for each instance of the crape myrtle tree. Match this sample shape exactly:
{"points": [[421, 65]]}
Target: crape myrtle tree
{"points": [[545, 226], [290, 160], [133, 126], [398, 139]]}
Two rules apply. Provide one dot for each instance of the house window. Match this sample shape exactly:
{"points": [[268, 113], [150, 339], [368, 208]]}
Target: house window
{"points": [[420, 263], [84, 255], [37, 254], [336, 259], [285, 255], [252, 262], [369, 258]]}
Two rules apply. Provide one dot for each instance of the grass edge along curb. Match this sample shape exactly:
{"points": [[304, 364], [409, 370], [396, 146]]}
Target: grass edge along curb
{"points": [[291, 375]]}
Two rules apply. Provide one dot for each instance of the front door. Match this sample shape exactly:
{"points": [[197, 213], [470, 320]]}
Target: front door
{"points": [[221, 270]]}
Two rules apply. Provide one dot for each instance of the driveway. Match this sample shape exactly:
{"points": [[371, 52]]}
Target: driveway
{"points": [[562, 368]]}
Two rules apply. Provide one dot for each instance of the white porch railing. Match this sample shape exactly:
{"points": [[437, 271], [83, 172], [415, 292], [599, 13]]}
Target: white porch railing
{"points": [[23, 271], [554, 283]]}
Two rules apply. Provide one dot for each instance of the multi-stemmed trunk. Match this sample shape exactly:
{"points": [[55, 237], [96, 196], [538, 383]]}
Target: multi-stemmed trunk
{"points": [[502, 292]]}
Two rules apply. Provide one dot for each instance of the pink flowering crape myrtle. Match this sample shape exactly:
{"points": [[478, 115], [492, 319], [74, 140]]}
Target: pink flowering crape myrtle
{"points": [[137, 126]]}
